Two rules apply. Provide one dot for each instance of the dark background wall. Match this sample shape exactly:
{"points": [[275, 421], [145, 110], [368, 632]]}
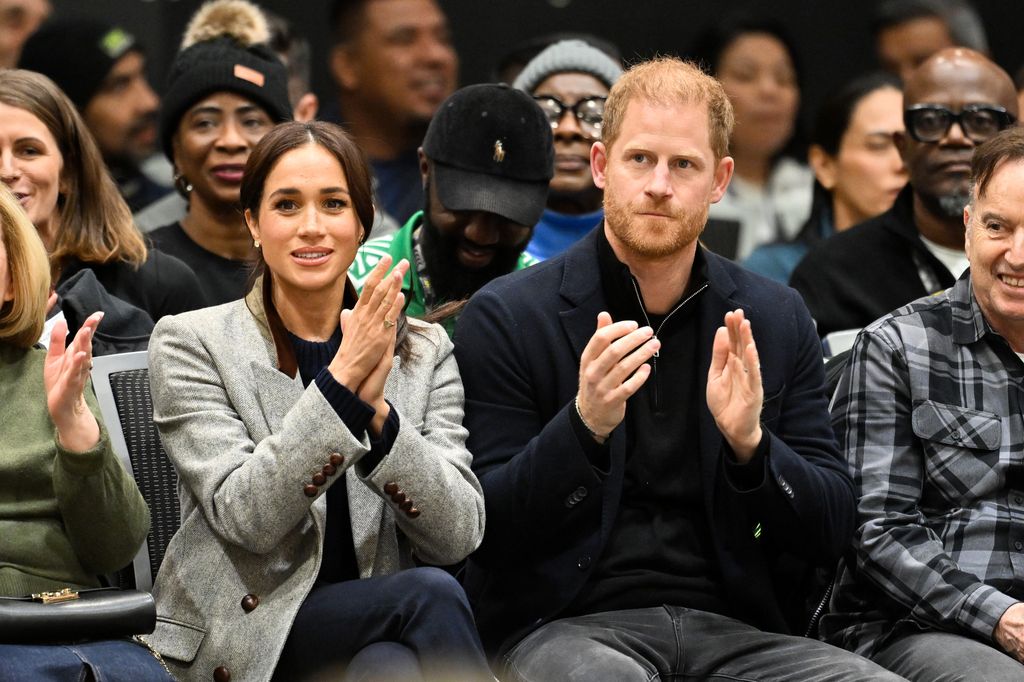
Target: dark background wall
{"points": [[833, 37]]}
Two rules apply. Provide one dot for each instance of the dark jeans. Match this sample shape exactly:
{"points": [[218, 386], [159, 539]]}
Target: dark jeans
{"points": [[414, 625], [672, 643], [115, 660], [945, 657]]}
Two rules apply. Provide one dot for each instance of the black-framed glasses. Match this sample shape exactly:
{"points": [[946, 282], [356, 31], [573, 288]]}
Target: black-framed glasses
{"points": [[589, 113], [931, 122]]}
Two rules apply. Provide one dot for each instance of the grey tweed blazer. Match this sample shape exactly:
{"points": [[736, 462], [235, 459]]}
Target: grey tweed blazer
{"points": [[246, 439]]}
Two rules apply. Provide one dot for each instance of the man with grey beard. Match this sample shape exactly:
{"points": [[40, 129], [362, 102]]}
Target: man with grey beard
{"points": [[953, 102]]}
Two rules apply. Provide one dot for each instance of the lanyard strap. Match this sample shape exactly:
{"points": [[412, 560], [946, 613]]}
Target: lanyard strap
{"points": [[429, 297]]}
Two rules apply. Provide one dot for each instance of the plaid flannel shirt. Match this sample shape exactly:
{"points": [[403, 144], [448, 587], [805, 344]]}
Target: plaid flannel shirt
{"points": [[929, 415]]}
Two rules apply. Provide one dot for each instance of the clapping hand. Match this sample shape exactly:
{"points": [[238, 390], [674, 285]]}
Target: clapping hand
{"points": [[65, 373], [369, 329], [734, 391], [612, 368]]}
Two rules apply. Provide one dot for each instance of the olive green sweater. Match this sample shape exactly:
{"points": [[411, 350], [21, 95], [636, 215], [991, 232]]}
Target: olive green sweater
{"points": [[65, 517]]}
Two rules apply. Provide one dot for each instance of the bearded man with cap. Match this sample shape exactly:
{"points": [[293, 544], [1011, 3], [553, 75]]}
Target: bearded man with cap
{"points": [[486, 162], [106, 79], [569, 80]]}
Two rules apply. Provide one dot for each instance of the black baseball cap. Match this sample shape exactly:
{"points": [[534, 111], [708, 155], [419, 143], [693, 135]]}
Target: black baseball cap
{"points": [[492, 150], [77, 53]]}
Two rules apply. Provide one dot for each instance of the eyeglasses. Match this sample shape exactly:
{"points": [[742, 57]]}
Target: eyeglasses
{"points": [[931, 122], [589, 113]]}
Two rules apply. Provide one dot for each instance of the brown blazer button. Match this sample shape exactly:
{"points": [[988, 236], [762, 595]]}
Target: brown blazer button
{"points": [[405, 506], [330, 470], [398, 498], [412, 513], [310, 490], [221, 674], [250, 602], [391, 488], [319, 479], [337, 459]]}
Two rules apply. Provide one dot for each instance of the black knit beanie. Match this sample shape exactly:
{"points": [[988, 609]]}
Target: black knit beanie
{"points": [[223, 64], [76, 54]]}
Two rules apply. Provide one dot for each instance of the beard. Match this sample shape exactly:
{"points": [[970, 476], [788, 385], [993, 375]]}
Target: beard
{"points": [[653, 237], [451, 280], [952, 205]]}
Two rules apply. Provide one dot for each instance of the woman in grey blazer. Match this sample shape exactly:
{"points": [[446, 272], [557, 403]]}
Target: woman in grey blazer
{"points": [[319, 462]]}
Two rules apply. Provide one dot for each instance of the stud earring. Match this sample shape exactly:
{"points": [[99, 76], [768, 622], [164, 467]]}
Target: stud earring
{"points": [[257, 243]]}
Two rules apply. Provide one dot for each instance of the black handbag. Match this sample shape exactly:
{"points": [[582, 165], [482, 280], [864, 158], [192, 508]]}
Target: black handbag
{"points": [[69, 615]]}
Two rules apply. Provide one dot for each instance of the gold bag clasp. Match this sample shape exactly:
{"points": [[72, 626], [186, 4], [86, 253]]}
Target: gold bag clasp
{"points": [[67, 594]]}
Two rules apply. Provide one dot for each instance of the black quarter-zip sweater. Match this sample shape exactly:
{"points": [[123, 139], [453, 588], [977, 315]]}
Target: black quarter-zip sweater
{"points": [[659, 551]]}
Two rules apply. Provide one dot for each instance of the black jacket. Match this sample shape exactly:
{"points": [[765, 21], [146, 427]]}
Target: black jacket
{"points": [[124, 327], [163, 285], [549, 512], [860, 274]]}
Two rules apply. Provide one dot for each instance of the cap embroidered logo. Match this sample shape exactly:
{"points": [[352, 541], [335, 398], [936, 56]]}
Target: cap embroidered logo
{"points": [[499, 151], [116, 42]]}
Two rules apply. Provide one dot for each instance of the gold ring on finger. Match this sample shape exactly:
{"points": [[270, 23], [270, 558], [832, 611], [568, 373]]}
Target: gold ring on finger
{"points": [[388, 324]]}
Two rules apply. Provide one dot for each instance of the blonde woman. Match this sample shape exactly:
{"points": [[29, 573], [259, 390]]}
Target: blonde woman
{"points": [[69, 512]]}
